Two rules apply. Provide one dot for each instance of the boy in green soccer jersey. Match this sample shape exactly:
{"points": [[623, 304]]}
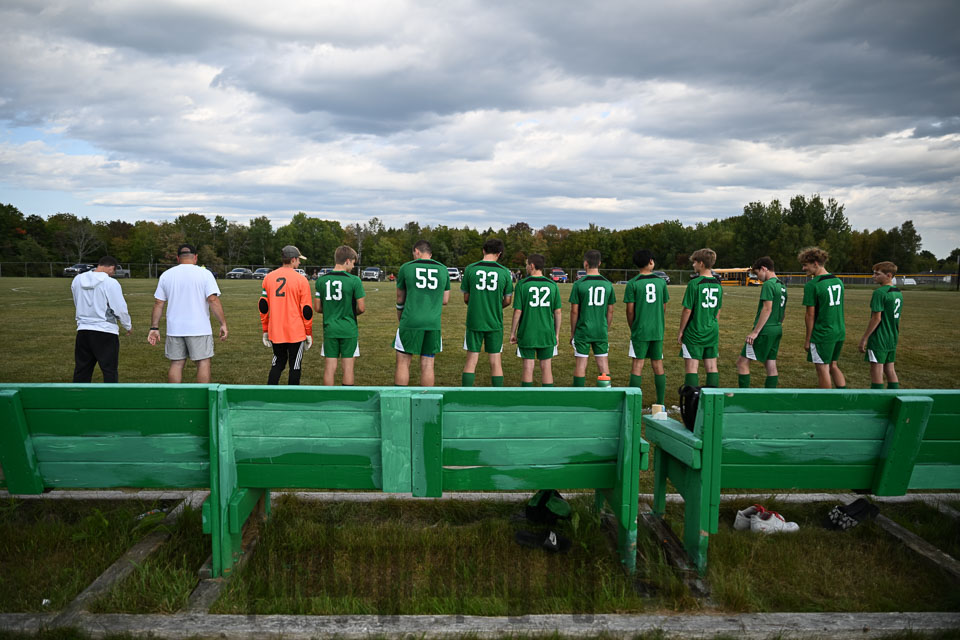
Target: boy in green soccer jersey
{"points": [[591, 312], [763, 343], [699, 336], [536, 322], [423, 287], [487, 288], [340, 298], [879, 341], [646, 299], [823, 297]]}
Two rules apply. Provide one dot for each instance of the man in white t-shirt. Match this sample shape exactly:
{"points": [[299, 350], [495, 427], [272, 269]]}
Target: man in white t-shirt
{"points": [[191, 294]]}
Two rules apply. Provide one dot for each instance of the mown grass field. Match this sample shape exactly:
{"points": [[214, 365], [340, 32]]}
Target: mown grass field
{"points": [[37, 317]]}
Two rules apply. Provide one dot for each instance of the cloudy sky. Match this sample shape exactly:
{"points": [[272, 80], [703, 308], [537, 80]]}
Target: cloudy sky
{"points": [[482, 113]]}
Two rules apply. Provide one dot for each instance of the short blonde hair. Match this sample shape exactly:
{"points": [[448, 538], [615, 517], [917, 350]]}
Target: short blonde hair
{"points": [[344, 253], [886, 267], [707, 256], [813, 254]]}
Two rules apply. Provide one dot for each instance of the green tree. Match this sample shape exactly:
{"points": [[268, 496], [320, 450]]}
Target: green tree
{"points": [[195, 228]]}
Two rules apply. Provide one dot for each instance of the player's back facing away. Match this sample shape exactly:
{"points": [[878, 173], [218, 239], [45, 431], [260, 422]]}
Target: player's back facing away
{"points": [[289, 316], [774, 291], [537, 298], [488, 283], [704, 298], [826, 294], [424, 280], [648, 293], [593, 294], [888, 301], [338, 292]]}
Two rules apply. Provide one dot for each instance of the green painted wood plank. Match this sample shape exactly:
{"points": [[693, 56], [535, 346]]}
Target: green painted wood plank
{"points": [[113, 396], [530, 477], [241, 505], [805, 401], [800, 452], [269, 449], [939, 451], [526, 424], [122, 449], [206, 517], [305, 423], [935, 476], [287, 476], [713, 429], [110, 475], [117, 422], [519, 451], [942, 426], [544, 400], [797, 477], [223, 484], [908, 421], [20, 468], [426, 418], [630, 458], [681, 450], [286, 398], [806, 426], [395, 445]]}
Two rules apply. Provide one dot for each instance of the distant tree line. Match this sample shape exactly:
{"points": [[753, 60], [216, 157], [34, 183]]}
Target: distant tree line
{"points": [[762, 229]]}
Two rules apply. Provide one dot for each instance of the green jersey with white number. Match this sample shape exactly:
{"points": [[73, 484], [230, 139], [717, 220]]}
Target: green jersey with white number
{"points": [[537, 298], [825, 294], [648, 293], [424, 281], [338, 292], [594, 294], [774, 291], [704, 297], [488, 283], [888, 300]]}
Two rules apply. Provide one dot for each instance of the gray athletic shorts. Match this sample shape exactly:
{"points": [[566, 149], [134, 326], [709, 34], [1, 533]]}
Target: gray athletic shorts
{"points": [[193, 347]]}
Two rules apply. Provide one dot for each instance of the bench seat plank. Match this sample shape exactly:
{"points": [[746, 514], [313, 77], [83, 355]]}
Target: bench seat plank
{"points": [[113, 475], [530, 477], [517, 451], [157, 449]]}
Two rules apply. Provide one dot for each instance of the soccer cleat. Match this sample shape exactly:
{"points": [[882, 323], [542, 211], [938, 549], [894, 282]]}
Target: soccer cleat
{"points": [[772, 522], [746, 517]]}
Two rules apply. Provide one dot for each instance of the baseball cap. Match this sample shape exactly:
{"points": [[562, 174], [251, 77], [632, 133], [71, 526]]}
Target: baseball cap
{"points": [[290, 252], [184, 249]]}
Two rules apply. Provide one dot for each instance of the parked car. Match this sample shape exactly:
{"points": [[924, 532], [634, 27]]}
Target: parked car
{"points": [[581, 273], [558, 275], [908, 281], [662, 274], [372, 273], [240, 273], [324, 271], [454, 273], [77, 269], [216, 274], [261, 273], [120, 272], [301, 272]]}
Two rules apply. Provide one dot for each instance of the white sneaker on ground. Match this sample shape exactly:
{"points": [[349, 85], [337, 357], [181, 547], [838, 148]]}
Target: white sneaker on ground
{"points": [[772, 522], [746, 517]]}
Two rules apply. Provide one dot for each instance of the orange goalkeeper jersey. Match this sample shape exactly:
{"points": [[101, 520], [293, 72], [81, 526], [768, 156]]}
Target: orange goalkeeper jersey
{"points": [[286, 308]]}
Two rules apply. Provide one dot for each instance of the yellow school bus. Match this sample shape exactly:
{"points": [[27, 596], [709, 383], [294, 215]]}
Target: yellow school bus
{"points": [[739, 277]]}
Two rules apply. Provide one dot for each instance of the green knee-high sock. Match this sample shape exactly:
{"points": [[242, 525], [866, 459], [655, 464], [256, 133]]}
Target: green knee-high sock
{"points": [[547, 384], [876, 385], [713, 379], [466, 379], [635, 380], [893, 385], [691, 379], [526, 384], [660, 382], [843, 387], [496, 381], [771, 382], [579, 381], [743, 380]]}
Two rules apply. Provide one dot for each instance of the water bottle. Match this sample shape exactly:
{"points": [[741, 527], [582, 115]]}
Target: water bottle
{"points": [[603, 380]]}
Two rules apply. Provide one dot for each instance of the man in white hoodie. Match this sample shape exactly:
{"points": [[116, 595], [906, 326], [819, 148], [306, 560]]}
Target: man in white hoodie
{"points": [[100, 310]]}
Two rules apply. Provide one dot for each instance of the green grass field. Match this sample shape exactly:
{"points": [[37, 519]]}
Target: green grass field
{"points": [[37, 317]]}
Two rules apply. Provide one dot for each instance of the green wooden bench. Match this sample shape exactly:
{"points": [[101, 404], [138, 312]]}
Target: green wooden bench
{"points": [[882, 441]]}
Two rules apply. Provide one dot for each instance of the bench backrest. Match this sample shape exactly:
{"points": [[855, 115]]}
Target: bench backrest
{"points": [[104, 436], [820, 439]]}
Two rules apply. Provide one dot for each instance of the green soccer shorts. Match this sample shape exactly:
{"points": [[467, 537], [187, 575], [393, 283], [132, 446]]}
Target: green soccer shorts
{"points": [[640, 349], [825, 352], [340, 347], [581, 349], [418, 342], [474, 341], [536, 353], [699, 351], [880, 357], [763, 348]]}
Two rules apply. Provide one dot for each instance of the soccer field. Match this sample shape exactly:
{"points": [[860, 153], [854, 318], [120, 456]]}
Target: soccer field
{"points": [[37, 317]]}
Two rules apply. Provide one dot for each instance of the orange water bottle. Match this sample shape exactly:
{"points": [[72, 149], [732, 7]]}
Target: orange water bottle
{"points": [[603, 380]]}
